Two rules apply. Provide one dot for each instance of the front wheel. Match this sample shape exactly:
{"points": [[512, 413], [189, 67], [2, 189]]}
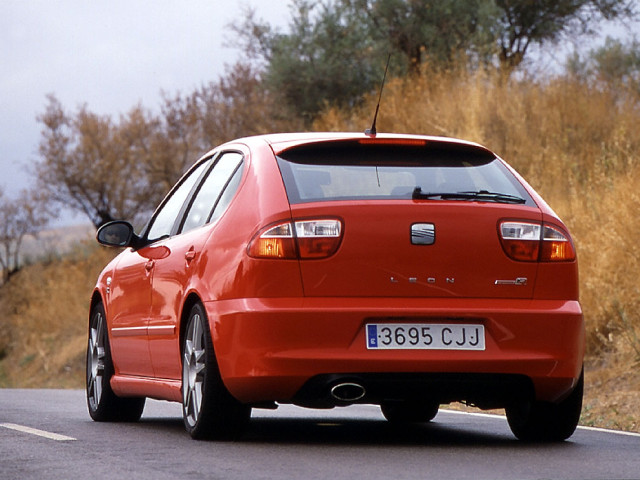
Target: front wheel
{"points": [[532, 420], [209, 410], [104, 405]]}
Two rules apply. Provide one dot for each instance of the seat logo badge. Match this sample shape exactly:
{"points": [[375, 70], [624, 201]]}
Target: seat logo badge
{"points": [[423, 233]]}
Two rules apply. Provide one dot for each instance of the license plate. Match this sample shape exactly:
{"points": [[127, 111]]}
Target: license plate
{"points": [[407, 336]]}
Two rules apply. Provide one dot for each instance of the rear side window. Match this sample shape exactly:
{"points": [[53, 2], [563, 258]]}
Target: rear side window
{"points": [[350, 170], [208, 203], [165, 218]]}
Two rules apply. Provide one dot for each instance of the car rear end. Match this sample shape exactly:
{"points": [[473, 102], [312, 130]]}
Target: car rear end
{"points": [[428, 270]]}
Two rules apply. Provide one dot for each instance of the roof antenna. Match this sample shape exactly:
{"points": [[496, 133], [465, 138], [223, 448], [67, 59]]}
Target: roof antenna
{"points": [[372, 131]]}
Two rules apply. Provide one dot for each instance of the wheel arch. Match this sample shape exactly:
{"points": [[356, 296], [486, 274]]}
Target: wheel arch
{"points": [[96, 298], [191, 300]]}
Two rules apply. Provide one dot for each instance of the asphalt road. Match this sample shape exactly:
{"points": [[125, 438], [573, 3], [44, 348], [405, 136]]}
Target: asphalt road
{"points": [[290, 443]]}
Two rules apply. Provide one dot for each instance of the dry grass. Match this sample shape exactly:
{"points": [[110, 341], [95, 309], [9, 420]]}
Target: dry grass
{"points": [[44, 320], [574, 143]]}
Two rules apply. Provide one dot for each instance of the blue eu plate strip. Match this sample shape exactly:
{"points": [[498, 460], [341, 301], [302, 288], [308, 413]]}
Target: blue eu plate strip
{"points": [[372, 336]]}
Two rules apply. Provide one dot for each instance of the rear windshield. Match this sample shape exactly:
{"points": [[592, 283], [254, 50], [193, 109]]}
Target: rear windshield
{"points": [[432, 171]]}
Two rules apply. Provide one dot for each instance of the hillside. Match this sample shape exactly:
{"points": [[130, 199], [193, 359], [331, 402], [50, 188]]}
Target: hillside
{"points": [[55, 241], [576, 143], [43, 321]]}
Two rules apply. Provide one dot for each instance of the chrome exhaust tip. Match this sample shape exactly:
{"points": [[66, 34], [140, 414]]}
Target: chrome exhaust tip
{"points": [[348, 392]]}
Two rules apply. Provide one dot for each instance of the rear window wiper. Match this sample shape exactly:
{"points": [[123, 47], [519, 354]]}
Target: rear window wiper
{"points": [[481, 195]]}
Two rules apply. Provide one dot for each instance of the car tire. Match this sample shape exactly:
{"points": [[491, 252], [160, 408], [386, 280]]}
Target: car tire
{"points": [[104, 405], [409, 412], [535, 421], [209, 410]]}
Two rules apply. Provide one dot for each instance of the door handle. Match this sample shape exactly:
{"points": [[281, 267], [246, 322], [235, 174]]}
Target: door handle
{"points": [[190, 255], [149, 265]]}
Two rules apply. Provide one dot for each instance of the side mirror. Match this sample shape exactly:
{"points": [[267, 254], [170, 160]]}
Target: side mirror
{"points": [[117, 234]]}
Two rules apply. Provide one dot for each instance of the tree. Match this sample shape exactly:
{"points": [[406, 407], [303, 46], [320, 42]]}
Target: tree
{"points": [[328, 56], [525, 22], [239, 104], [21, 216], [108, 169], [615, 64], [440, 30], [93, 165], [176, 142], [437, 31], [334, 50], [618, 64]]}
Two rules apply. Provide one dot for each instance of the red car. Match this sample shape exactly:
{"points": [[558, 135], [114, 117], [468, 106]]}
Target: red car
{"points": [[327, 269]]}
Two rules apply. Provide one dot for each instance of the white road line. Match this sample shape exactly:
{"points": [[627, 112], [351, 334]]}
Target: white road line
{"points": [[35, 431], [606, 430], [580, 427], [474, 414]]}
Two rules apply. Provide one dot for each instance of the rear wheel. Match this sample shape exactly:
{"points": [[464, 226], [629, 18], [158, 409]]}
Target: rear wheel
{"points": [[409, 412], [545, 421], [104, 405], [208, 409]]}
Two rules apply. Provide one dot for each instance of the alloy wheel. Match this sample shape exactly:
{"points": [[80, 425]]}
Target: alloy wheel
{"points": [[193, 370], [96, 361]]}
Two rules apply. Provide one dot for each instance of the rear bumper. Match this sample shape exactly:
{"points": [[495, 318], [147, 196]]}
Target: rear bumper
{"points": [[268, 349]]}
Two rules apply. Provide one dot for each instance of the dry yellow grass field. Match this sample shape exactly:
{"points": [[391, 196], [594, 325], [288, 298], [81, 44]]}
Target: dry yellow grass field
{"points": [[577, 144], [43, 321]]}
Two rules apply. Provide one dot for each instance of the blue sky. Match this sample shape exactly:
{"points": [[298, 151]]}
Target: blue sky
{"points": [[110, 55]]}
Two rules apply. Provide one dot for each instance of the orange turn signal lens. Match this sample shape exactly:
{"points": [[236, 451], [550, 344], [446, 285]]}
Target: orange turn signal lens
{"points": [[556, 246], [275, 241], [273, 248]]}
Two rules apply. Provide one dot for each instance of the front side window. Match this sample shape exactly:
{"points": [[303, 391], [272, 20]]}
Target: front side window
{"points": [[354, 171], [165, 218]]}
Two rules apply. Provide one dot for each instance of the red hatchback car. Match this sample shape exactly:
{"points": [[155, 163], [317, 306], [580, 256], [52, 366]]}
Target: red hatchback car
{"points": [[328, 269]]}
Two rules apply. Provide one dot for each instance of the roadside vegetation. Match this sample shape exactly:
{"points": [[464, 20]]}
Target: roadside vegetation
{"points": [[577, 144], [573, 135]]}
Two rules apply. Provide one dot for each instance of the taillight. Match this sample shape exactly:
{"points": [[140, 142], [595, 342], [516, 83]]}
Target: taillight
{"points": [[303, 239], [531, 242]]}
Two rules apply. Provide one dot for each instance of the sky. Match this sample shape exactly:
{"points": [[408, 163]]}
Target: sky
{"points": [[110, 55]]}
